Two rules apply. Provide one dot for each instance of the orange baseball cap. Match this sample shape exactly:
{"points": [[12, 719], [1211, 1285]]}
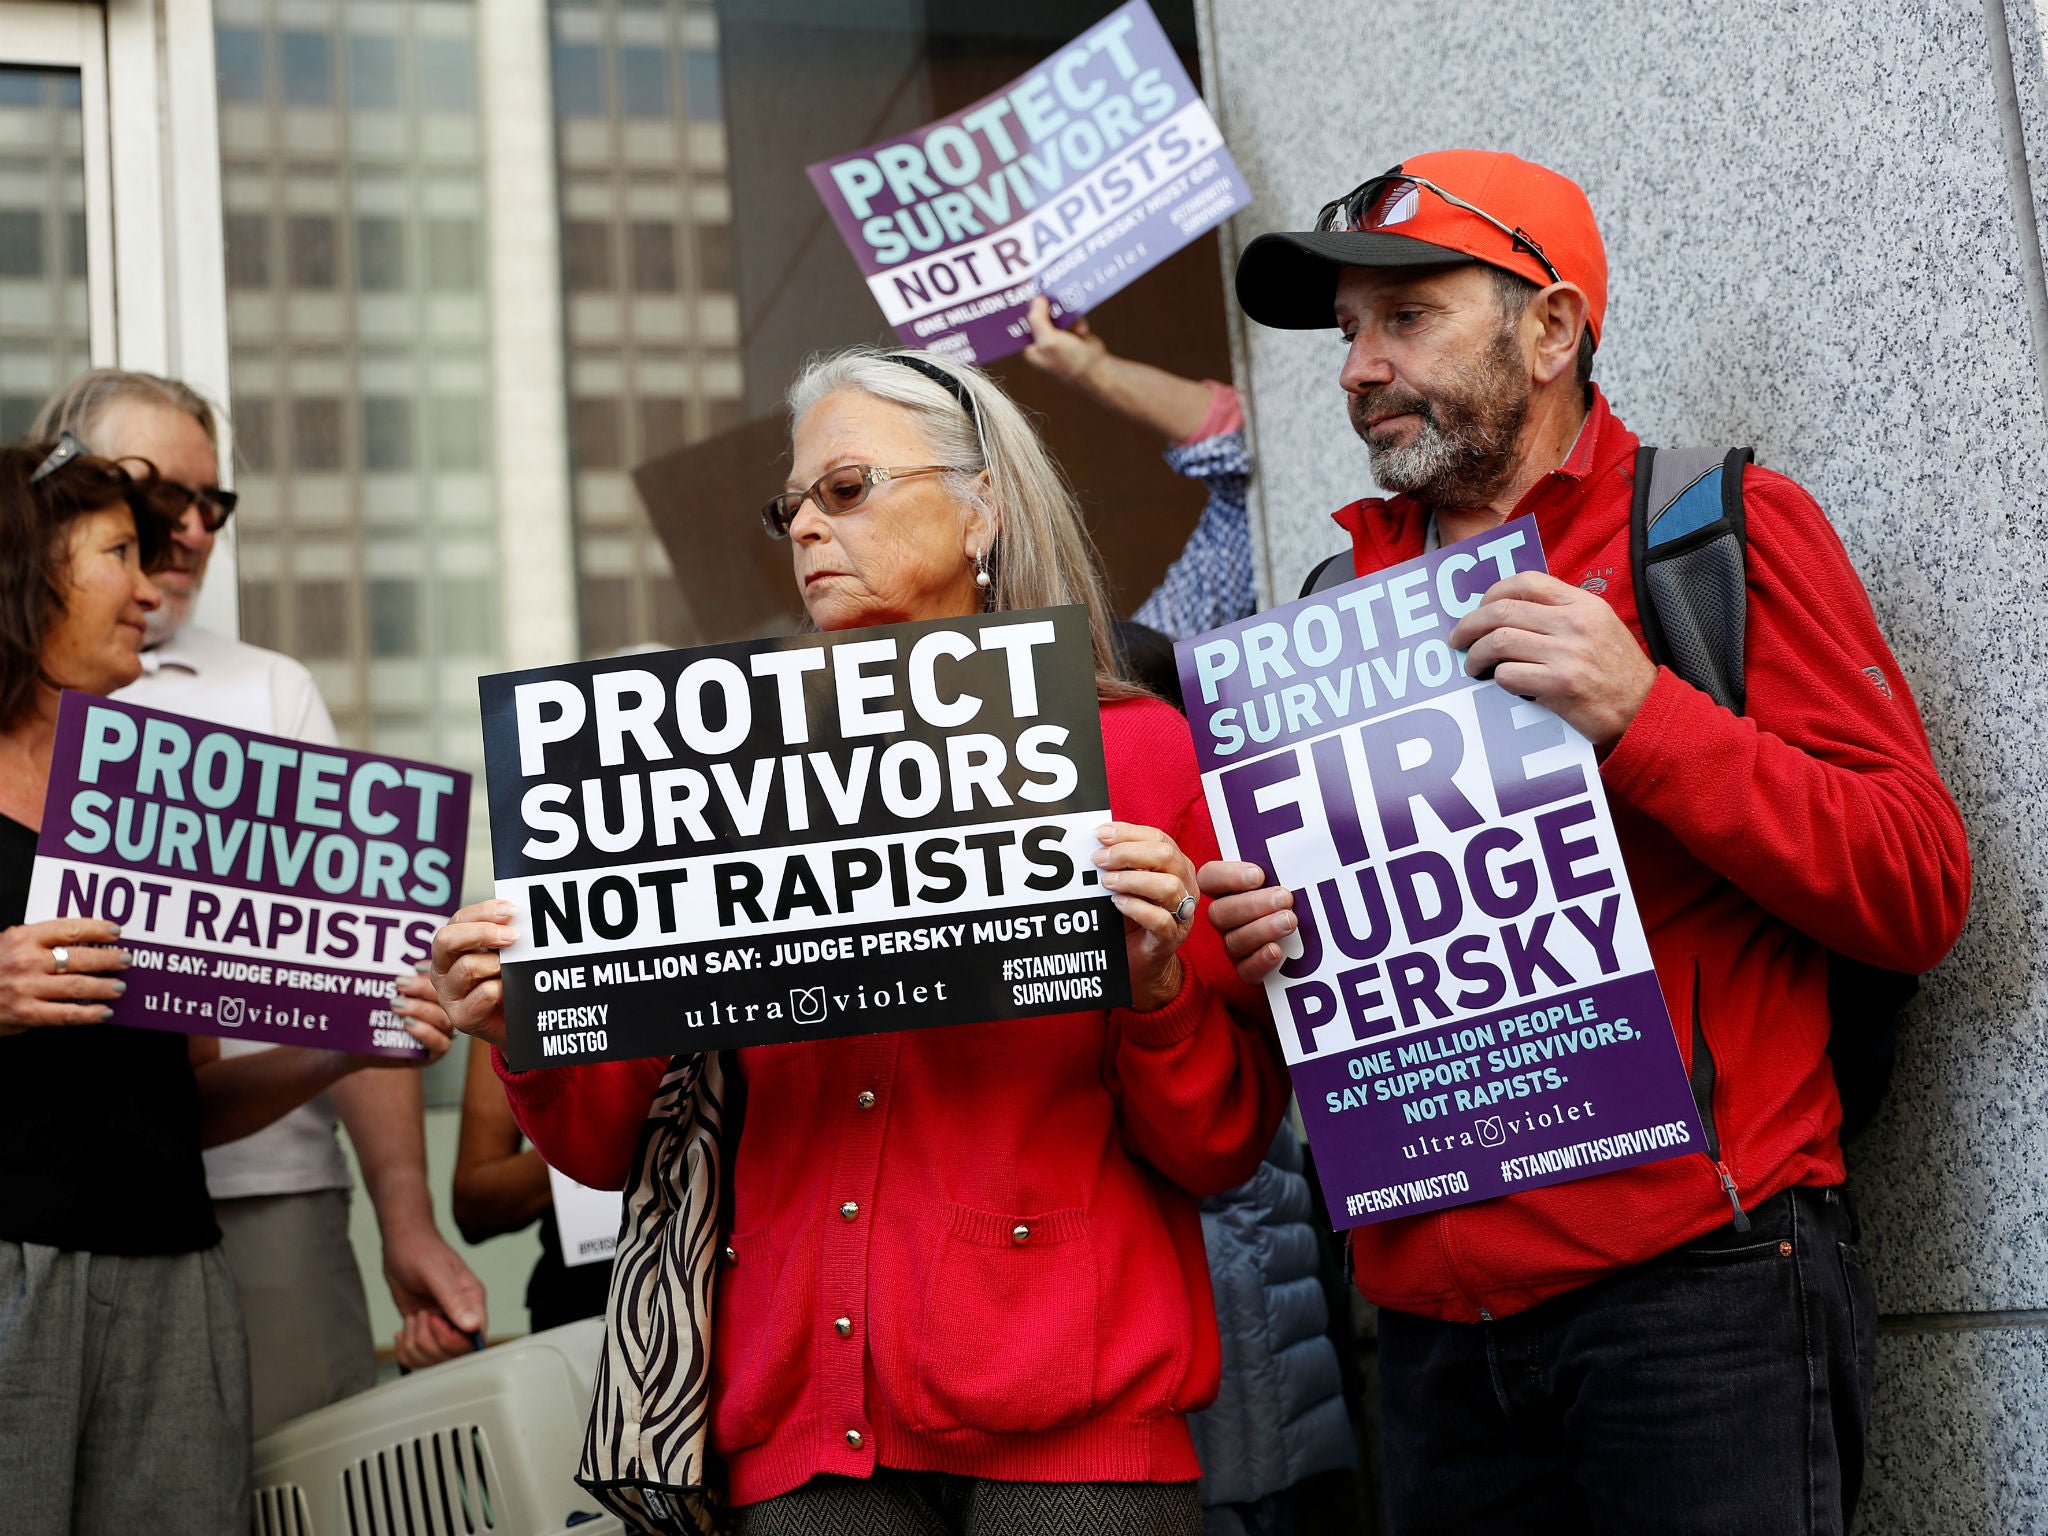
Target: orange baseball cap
{"points": [[1453, 205]]}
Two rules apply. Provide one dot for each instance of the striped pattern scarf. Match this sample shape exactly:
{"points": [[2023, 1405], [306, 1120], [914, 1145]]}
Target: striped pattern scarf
{"points": [[645, 1452]]}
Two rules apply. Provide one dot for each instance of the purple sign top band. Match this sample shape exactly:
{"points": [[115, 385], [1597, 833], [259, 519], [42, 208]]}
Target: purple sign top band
{"points": [[265, 888], [1298, 671]]}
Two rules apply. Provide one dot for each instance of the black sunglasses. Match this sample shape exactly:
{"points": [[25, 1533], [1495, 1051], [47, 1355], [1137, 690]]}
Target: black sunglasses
{"points": [[216, 503], [1366, 209], [839, 490]]}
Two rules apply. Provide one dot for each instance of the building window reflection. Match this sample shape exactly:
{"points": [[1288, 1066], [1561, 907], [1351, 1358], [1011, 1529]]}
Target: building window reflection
{"points": [[44, 329], [653, 334], [305, 65]]}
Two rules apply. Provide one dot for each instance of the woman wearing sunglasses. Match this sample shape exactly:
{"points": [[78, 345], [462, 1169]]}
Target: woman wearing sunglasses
{"points": [[963, 1287], [124, 1394]]}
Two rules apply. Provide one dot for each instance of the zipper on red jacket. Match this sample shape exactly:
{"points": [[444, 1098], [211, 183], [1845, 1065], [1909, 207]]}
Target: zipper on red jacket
{"points": [[1703, 1077]]}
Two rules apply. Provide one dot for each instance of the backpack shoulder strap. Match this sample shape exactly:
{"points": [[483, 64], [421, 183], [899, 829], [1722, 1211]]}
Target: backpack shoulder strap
{"points": [[1687, 555], [1333, 572]]}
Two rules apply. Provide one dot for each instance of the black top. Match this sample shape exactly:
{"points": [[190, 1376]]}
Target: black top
{"points": [[556, 1293], [99, 1125]]}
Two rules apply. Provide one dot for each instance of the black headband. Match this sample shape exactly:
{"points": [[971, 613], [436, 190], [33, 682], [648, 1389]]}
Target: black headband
{"points": [[948, 381]]}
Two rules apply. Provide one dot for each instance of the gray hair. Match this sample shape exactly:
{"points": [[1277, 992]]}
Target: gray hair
{"points": [[78, 406], [1040, 555]]}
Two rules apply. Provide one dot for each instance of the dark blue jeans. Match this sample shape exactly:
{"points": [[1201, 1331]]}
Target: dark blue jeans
{"points": [[1720, 1389]]}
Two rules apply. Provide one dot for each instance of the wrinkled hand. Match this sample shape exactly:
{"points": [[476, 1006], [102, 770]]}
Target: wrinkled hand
{"points": [[1070, 355], [1547, 640], [438, 1296], [466, 969], [1147, 876], [33, 993], [1253, 917], [419, 1011]]}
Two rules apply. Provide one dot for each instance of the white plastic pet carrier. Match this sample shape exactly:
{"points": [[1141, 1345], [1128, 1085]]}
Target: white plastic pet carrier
{"points": [[483, 1446]]}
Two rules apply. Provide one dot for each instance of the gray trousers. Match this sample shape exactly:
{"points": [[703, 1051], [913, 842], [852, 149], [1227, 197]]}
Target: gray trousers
{"points": [[124, 1395], [302, 1302]]}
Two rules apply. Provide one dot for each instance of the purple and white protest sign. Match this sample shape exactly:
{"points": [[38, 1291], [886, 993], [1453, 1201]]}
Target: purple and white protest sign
{"points": [[1071, 181], [265, 889], [1469, 1007]]}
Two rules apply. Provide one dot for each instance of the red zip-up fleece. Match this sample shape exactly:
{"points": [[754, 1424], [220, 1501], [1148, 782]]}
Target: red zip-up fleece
{"points": [[974, 1249], [1816, 819]]}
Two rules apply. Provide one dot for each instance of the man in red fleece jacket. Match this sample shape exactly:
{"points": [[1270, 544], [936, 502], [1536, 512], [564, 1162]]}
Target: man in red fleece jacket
{"points": [[1684, 1346]]}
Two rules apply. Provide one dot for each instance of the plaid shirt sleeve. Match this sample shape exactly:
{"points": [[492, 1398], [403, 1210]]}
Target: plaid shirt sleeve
{"points": [[1212, 582]]}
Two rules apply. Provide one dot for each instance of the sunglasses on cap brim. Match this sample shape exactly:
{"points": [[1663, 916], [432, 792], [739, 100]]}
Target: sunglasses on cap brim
{"points": [[1372, 206]]}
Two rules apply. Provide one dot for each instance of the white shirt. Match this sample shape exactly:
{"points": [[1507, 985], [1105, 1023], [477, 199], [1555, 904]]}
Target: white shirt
{"points": [[210, 677]]}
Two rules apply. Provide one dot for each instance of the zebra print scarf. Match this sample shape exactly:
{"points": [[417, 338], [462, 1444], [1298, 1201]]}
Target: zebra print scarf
{"points": [[645, 1452]]}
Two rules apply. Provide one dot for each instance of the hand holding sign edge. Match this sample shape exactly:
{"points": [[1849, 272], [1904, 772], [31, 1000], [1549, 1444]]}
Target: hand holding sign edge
{"points": [[1253, 917], [1563, 647], [1148, 877], [466, 970], [35, 992]]}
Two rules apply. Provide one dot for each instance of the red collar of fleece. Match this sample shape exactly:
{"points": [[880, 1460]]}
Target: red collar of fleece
{"points": [[1387, 529]]}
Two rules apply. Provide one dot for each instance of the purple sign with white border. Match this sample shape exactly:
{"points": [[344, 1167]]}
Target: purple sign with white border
{"points": [[1468, 1007], [1071, 181], [265, 889]]}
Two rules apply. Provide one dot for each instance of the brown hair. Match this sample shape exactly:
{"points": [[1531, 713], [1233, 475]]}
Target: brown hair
{"points": [[35, 521]]}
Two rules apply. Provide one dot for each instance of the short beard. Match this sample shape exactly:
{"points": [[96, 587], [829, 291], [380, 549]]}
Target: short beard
{"points": [[174, 612], [165, 620], [1464, 452]]}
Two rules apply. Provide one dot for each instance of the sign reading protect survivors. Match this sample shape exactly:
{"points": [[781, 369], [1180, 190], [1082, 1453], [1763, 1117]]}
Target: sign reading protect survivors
{"points": [[1470, 1007], [1071, 181], [265, 889], [786, 839]]}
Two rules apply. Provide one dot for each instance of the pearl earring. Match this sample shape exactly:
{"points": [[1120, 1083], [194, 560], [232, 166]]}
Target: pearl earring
{"points": [[981, 570]]}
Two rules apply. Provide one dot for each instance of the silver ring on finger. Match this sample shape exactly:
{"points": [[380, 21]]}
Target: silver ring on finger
{"points": [[62, 956], [1186, 909]]}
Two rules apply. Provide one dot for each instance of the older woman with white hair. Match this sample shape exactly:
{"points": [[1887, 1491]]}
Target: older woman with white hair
{"points": [[963, 1287]]}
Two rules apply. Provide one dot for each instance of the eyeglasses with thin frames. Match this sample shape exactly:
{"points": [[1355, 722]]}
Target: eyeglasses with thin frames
{"points": [[1364, 208], [839, 491]]}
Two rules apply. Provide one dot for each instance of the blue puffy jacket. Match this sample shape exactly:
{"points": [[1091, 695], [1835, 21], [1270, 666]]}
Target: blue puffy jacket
{"points": [[1279, 1415]]}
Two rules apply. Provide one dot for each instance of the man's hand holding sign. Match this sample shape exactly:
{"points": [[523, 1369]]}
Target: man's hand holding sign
{"points": [[1559, 646]]}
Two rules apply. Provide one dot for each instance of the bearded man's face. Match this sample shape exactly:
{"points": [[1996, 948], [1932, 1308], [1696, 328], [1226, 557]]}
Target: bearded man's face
{"points": [[1438, 383]]}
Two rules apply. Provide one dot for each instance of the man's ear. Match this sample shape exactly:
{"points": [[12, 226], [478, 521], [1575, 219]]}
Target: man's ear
{"points": [[1554, 320]]}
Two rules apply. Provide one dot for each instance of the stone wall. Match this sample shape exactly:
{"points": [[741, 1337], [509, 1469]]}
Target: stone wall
{"points": [[1823, 231]]}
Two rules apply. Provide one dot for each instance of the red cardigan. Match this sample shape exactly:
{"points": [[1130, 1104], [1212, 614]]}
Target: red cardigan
{"points": [[1816, 818], [875, 1307]]}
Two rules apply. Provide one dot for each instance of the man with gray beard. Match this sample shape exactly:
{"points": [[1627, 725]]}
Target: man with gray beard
{"points": [[1683, 1346]]}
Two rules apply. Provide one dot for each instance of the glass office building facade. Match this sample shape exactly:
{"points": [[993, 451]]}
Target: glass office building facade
{"points": [[43, 309], [361, 320]]}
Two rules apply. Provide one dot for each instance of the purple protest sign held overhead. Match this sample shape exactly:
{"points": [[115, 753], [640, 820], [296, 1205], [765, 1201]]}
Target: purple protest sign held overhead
{"points": [[265, 889], [1071, 181], [1469, 1007]]}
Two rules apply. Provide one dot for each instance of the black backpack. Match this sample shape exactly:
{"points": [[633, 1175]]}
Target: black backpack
{"points": [[1688, 559]]}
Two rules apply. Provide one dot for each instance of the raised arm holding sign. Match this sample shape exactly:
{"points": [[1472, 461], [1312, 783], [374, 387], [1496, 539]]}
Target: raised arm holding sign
{"points": [[1072, 181]]}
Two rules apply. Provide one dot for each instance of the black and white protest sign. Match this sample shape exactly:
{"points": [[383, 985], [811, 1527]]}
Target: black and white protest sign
{"points": [[786, 839]]}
